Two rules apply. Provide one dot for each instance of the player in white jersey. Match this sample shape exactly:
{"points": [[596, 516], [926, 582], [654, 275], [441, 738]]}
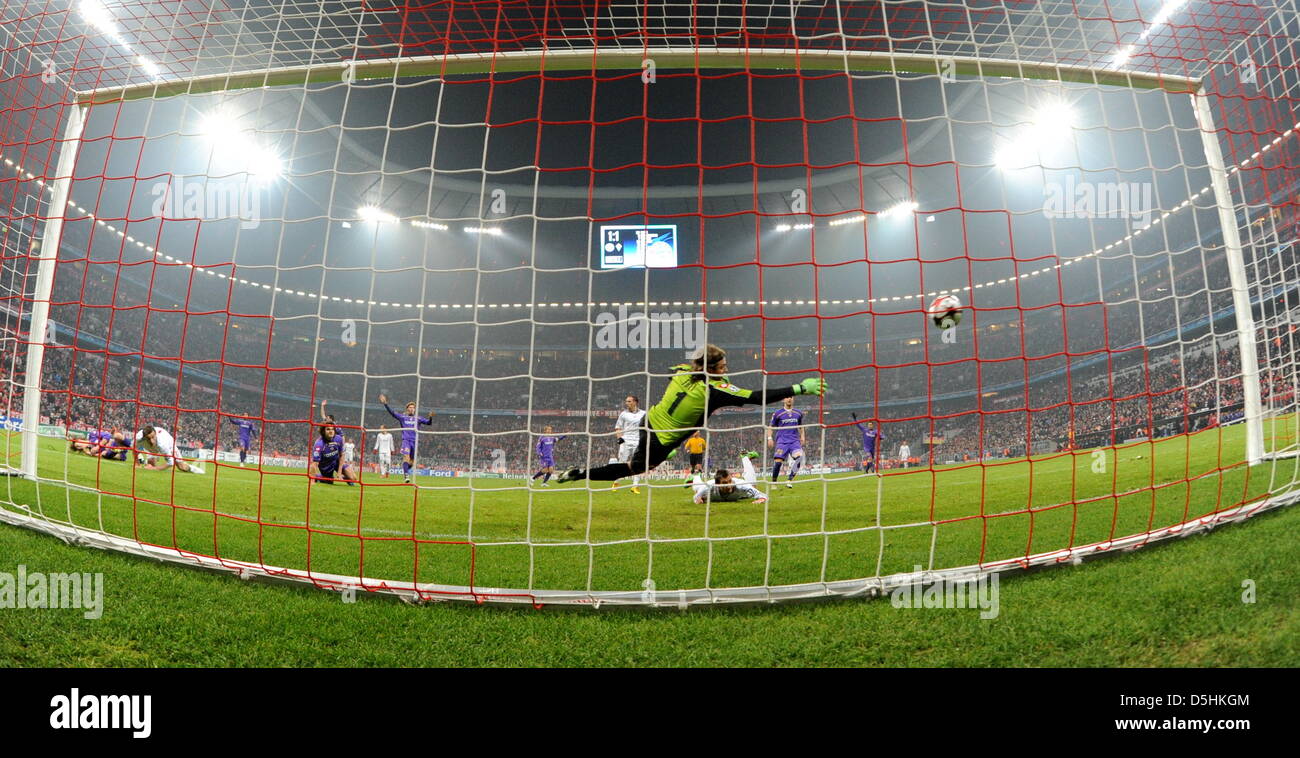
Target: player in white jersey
{"points": [[349, 452], [726, 488], [384, 446], [154, 441], [627, 429]]}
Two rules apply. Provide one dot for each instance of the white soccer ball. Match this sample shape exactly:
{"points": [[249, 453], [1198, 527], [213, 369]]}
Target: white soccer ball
{"points": [[945, 311]]}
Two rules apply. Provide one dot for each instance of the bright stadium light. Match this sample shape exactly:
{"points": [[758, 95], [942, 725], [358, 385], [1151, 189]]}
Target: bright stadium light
{"points": [[1162, 16], [1050, 127], [899, 210], [149, 66], [494, 230], [101, 19], [232, 145], [428, 225]]}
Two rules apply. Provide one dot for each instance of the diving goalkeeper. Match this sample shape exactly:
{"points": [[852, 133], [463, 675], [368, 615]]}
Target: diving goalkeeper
{"points": [[696, 390]]}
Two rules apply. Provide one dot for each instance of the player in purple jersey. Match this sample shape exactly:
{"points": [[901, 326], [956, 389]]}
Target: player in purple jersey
{"points": [[788, 442], [115, 447], [327, 458], [546, 455], [410, 424], [246, 431], [871, 439], [88, 445]]}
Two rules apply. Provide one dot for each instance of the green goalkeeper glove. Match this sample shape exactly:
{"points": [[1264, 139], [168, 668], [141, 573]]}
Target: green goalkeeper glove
{"points": [[813, 386], [671, 455]]}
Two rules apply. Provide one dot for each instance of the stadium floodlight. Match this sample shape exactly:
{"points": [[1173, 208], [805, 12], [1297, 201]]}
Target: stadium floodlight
{"points": [[499, 373], [900, 210], [375, 214], [102, 20], [1049, 128], [236, 147], [149, 66]]}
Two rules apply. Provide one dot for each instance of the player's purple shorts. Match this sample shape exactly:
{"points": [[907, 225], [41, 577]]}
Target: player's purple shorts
{"points": [[408, 450], [782, 453], [546, 461]]}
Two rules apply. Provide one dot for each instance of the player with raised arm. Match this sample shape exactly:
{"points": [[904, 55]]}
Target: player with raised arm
{"points": [[726, 488], [384, 447], [154, 441], [410, 425], [871, 439], [695, 391], [246, 431], [628, 431], [546, 455], [327, 458], [788, 442]]}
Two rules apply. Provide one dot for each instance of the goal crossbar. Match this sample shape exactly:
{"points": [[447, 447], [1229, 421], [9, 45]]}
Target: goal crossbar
{"points": [[596, 59]]}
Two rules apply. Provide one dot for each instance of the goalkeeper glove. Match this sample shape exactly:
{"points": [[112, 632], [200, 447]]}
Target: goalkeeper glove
{"points": [[812, 386], [671, 455]]}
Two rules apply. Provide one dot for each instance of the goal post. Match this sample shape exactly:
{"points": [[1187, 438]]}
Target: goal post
{"points": [[58, 188], [1242, 309]]}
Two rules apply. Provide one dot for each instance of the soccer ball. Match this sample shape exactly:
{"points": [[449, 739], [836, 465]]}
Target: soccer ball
{"points": [[945, 311]]}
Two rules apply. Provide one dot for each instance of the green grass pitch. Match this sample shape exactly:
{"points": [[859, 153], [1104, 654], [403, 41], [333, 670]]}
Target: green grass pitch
{"points": [[1176, 605]]}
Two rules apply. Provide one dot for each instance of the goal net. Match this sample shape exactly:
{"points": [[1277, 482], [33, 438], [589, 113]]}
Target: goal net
{"points": [[520, 218]]}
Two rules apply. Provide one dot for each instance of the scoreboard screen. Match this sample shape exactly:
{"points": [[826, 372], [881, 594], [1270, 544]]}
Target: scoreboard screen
{"points": [[639, 246]]}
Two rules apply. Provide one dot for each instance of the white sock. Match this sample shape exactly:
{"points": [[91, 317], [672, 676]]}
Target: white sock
{"points": [[747, 466]]}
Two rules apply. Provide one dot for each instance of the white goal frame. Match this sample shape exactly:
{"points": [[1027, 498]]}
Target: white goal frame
{"points": [[625, 59]]}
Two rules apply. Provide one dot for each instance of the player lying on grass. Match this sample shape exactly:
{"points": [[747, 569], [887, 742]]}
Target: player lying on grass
{"points": [[96, 442], [726, 488], [546, 455], [695, 391], [410, 425], [155, 442], [327, 458]]}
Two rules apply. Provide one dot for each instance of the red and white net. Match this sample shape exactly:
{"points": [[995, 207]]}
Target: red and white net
{"points": [[516, 214]]}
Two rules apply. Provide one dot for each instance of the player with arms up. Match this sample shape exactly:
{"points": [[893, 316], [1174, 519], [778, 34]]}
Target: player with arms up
{"points": [[546, 455], [695, 391], [327, 458], [871, 439], [158, 442], [384, 447], [789, 440], [410, 424], [628, 431]]}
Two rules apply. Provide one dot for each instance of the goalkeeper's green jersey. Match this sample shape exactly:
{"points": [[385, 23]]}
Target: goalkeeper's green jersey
{"points": [[690, 398]]}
